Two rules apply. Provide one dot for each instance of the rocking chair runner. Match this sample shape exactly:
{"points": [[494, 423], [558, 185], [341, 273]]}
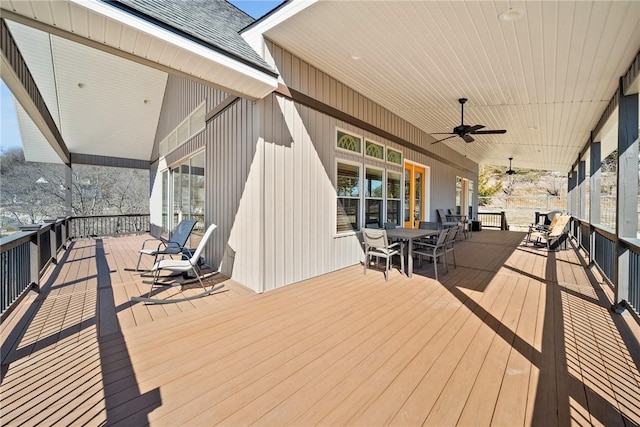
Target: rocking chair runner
{"points": [[181, 266]]}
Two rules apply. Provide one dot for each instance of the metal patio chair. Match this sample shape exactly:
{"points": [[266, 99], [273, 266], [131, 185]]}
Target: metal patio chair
{"points": [[172, 246]]}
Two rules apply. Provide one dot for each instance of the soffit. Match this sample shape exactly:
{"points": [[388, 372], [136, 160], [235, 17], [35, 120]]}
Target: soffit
{"points": [[120, 61], [99, 23], [546, 78], [102, 104]]}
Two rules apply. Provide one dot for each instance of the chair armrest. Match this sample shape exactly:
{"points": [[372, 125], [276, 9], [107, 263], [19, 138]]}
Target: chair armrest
{"points": [[393, 245], [151, 240], [425, 245]]}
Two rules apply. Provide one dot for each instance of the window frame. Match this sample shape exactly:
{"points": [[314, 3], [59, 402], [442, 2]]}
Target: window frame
{"points": [[401, 164], [382, 198], [353, 134], [193, 128], [384, 150], [360, 167]]}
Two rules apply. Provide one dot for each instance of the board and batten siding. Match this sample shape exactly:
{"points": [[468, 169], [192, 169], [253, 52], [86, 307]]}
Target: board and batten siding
{"points": [[234, 191], [230, 145], [300, 198]]}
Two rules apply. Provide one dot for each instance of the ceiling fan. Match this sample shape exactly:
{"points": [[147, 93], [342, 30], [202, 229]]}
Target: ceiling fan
{"points": [[510, 171], [465, 131]]}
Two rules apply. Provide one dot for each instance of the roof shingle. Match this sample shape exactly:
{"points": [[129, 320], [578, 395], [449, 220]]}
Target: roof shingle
{"points": [[214, 22]]}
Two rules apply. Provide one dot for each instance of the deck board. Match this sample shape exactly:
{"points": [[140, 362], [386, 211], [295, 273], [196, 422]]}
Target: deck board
{"points": [[513, 336]]}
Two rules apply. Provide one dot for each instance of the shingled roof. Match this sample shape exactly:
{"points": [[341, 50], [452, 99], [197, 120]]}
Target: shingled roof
{"points": [[214, 23]]}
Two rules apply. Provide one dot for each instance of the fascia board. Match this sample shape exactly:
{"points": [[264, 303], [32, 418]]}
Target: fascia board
{"points": [[109, 12], [254, 33]]}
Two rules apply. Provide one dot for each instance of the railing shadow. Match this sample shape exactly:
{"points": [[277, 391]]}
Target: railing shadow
{"points": [[83, 372], [560, 388]]}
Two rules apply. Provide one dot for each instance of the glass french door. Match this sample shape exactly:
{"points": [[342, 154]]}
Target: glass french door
{"points": [[414, 186], [183, 188]]}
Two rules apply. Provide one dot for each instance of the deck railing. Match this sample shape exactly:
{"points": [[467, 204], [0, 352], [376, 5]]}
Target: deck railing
{"points": [[108, 225], [25, 255], [493, 220], [604, 247]]}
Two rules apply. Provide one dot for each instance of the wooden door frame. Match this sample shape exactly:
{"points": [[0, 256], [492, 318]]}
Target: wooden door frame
{"points": [[425, 187]]}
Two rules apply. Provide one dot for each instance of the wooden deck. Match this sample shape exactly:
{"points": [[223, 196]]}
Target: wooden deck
{"points": [[513, 336]]}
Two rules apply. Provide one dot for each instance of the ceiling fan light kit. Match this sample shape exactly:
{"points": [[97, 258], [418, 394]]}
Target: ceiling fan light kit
{"points": [[464, 131]]}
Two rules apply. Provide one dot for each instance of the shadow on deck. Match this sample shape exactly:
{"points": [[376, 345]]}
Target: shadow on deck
{"points": [[513, 336]]}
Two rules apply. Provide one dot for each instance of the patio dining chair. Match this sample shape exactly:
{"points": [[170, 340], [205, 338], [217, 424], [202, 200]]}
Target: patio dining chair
{"points": [[377, 244], [433, 251], [444, 221], [172, 246], [449, 243]]}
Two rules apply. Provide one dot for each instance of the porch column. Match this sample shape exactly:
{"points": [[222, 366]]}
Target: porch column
{"points": [[572, 180], [627, 195], [594, 192], [580, 196], [67, 192]]}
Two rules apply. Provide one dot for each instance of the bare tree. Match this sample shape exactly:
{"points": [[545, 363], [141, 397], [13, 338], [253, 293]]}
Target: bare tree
{"points": [[31, 192]]}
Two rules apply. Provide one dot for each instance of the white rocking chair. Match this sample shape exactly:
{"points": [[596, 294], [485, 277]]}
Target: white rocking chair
{"points": [[181, 266]]}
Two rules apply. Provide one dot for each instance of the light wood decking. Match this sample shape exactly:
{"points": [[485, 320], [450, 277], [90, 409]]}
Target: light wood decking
{"points": [[513, 336]]}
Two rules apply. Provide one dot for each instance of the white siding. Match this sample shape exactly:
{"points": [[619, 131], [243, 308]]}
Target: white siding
{"points": [[234, 193]]}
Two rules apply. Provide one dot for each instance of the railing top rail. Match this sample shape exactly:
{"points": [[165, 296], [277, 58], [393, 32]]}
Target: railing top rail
{"points": [[107, 216], [16, 239]]}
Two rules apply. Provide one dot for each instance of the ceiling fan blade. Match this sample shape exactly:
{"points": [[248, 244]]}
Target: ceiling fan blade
{"points": [[473, 129], [443, 133], [468, 138], [444, 139], [488, 132]]}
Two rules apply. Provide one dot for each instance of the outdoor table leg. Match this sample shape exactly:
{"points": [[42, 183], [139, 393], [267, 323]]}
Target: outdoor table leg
{"points": [[410, 263]]}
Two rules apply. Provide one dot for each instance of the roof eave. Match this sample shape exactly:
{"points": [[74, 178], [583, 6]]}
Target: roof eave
{"points": [[262, 81]]}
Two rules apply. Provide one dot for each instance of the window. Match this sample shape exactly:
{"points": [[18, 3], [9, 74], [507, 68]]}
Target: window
{"points": [[192, 125], [374, 150], [348, 191], [367, 194], [186, 188], [394, 197], [394, 156], [348, 142], [374, 196], [172, 140]]}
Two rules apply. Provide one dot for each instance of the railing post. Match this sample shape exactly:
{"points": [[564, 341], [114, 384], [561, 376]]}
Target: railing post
{"points": [[64, 224], [52, 240], [34, 254]]}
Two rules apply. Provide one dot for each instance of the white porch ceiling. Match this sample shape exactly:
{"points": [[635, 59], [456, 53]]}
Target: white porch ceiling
{"points": [[546, 77], [107, 115], [120, 61]]}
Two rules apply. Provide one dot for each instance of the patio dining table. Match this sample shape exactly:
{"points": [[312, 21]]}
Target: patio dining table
{"points": [[407, 235]]}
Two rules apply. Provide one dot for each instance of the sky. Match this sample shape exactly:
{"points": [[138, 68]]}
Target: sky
{"points": [[9, 131]]}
